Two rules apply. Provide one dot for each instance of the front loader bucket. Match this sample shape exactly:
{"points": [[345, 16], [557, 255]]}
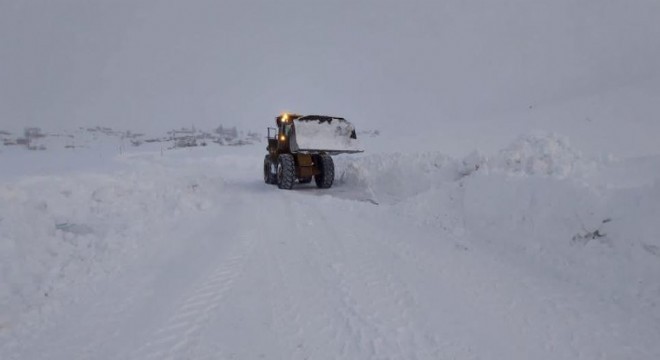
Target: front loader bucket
{"points": [[333, 135]]}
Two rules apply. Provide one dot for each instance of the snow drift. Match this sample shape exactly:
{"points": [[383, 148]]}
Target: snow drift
{"points": [[60, 233], [539, 204]]}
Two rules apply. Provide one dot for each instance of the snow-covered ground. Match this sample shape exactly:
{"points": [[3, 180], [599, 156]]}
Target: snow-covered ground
{"points": [[534, 251], [506, 205]]}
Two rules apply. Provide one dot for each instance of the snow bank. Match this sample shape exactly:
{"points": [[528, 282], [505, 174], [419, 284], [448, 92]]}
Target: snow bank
{"points": [[596, 238], [394, 177], [58, 232], [540, 154], [538, 204]]}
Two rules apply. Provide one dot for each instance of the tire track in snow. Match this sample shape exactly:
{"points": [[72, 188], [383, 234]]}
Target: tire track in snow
{"points": [[177, 338], [375, 297], [306, 318], [360, 307]]}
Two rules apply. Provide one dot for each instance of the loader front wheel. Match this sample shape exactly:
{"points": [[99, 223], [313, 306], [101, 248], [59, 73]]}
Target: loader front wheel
{"points": [[326, 176], [269, 177], [286, 172]]}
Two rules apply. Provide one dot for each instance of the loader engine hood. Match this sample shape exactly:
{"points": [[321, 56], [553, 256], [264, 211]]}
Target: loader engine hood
{"points": [[324, 133]]}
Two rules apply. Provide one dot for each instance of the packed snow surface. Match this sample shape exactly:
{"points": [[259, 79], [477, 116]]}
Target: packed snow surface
{"points": [[328, 135], [532, 252]]}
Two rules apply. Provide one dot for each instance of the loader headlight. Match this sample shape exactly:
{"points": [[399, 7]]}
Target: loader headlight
{"points": [[282, 137], [285, 117]]}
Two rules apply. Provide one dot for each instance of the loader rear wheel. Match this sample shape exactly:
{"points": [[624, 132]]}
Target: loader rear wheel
{"points": [[286, 171], [269, 177], [326, 176]]}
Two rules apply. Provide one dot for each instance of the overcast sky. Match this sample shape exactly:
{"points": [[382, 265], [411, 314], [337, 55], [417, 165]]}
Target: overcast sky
{"points": [[157, 64]]}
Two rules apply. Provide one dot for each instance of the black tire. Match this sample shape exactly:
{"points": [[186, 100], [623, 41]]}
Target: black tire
{"points": [[269, 177], [325, 179], [286, 172], [305, 180]]}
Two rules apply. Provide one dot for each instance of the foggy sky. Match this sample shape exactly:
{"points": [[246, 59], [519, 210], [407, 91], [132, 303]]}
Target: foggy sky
{"points": [[158, 64]]}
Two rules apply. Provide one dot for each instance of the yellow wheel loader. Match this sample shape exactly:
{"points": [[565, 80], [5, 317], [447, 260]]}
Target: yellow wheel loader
{"points": [[300, 149]]}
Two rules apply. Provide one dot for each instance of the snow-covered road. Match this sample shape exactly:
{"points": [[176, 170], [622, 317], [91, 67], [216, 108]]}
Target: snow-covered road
{"points": [[204, 261]]}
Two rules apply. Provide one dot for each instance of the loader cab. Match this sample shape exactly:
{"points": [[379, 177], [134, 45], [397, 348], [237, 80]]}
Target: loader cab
{"points": [[284, 131], [283, 139]]}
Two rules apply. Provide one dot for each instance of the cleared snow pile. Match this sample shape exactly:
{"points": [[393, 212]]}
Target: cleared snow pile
{"points": [[540, 205], [325, 135], [540, 154], [394, 177], [471, 163], [604, 240], [358, 186]]}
